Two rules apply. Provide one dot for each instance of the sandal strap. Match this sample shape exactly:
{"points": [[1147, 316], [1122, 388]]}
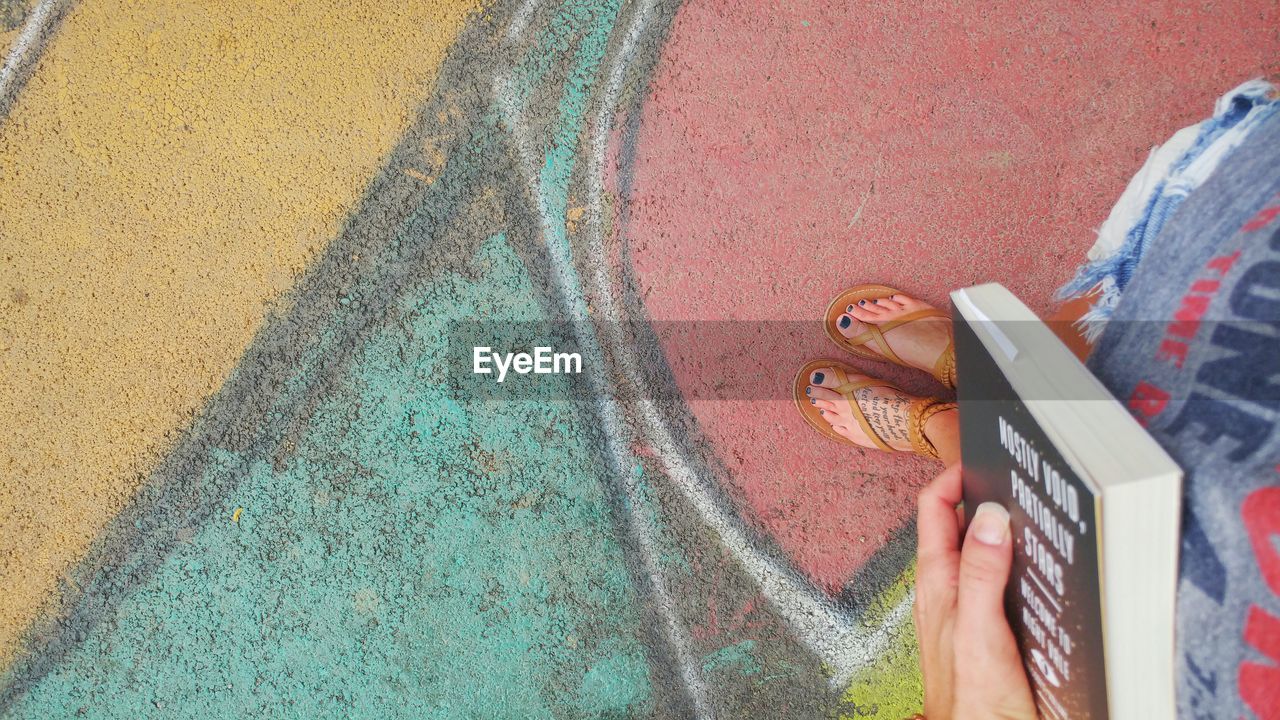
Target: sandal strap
{"points": [[921, 411], [848, 390], [945, 369], [875, 333], [911, 317], [842, 378]]}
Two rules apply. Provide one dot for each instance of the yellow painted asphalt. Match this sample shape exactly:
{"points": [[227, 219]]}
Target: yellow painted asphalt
{"points": [[164, 175]]}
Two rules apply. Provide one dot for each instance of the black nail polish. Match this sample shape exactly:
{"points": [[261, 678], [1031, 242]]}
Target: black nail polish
{"points": [[845, 322], [875, 301], [862, 302], [812, 401], [808, 391], [822, 412], [818, 378], [849, 309]]}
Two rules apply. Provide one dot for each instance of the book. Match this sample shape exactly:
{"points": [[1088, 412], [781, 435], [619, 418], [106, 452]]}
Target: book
{"points": [[1094, 506]]}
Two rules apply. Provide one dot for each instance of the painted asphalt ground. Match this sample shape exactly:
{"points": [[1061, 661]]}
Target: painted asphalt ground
{"points": [[786, 154], [318, 545], [167, 171]]}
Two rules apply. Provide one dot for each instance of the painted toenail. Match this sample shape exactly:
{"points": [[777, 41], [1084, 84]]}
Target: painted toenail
{"points": [[808, 391], [812, 401], [862, 302], [818, 378], [844, 322], [875, 302], [849, 309], [822, 412]]}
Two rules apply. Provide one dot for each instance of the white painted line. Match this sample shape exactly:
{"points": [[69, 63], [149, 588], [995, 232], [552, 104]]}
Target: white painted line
{"points": [[520, 20], [818, 623], [641, 530], [28, 39]]}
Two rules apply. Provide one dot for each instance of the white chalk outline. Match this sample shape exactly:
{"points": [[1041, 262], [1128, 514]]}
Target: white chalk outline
{"points": [[640, 530], [832, 634], [520, 20], [35, 26]]}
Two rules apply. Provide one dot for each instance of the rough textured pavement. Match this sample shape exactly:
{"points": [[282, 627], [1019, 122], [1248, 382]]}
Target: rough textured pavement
{"points": [[244, 473]]}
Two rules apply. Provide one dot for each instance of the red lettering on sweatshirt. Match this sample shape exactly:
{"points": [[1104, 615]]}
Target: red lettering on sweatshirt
{"points": [[1259, 682], [1147, 401], [1263, 218]]}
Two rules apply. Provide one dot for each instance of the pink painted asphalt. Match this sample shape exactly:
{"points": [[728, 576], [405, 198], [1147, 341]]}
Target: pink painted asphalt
{"points": [[787, 153]]}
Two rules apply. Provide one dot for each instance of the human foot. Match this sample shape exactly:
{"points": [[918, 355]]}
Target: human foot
{"points": [[878, 322], [863, 411]]}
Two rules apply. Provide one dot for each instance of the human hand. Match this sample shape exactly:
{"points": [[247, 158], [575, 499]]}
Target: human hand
{"points": [[968, 654]]}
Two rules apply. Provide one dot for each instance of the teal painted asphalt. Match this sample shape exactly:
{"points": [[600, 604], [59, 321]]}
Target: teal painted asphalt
{"points": [[416, 559]]}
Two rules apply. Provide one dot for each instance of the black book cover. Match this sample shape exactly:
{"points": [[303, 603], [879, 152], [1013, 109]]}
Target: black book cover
{"points": [[1054, 598]]}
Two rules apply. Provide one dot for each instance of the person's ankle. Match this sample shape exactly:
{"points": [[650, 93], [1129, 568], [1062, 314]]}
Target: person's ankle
{"points": [[942, 430]]}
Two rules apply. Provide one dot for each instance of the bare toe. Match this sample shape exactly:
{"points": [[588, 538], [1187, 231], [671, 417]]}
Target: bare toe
{"points": [[918, 342], [824, 378], [885, 408], [823, 398], [908, 303], [849, 326], [830, 403], [870, 309], [862, 315], [845, 432], [833, 406]]}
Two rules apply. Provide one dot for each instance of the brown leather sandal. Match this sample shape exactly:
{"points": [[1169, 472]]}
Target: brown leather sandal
{"points": [[945, 368], [921, 410]]}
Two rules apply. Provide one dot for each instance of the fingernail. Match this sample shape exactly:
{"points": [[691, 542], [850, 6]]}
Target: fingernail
{"points": [[818, 378], [812, 401], [845, 322], [862, 302], [849, 309], [808, 391], [991, 524]]}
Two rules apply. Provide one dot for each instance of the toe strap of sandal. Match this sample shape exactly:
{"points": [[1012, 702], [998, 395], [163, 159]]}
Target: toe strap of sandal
{"points": [[875, 333], [945, 368], [849, 390], [921, 411]]}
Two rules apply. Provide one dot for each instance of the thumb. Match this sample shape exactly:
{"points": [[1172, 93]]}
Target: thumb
{"points": [[985, 559], [990, 680]]}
